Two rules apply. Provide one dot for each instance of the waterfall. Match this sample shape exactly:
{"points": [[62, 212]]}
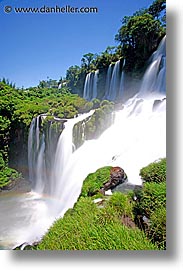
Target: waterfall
{"points": [[90, 86], [47, 178], [122, 81], [136, 138], [36, 160], [108, 79], [115, 80], [154, 80], [86, 93], [114, 85], [95, 79]]}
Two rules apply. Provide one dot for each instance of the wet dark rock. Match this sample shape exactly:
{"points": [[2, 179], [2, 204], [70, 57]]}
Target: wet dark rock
{"points": [[117, 176], [126, 187], [157, 102], [20, 185]]}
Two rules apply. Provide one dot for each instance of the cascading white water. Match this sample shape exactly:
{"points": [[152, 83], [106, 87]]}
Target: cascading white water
{"points": [[136, 138], [114, 86], [115, 80], [108, 79], [90, 86], [36, 158], [86, 93], [154, 80], [122, 81], [95, 80], [63, 154]]}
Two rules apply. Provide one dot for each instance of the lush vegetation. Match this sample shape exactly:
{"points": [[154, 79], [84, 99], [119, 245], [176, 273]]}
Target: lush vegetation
{"points": [[88, 227], [17, 109], [154, 172], [19, 106], [114, 223], [151, 202], [7, 175]]}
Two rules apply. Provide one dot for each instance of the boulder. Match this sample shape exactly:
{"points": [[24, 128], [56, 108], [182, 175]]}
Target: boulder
{"points": [[117, 176]]}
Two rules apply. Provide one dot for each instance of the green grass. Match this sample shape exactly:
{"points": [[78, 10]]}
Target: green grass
{"points": [[90, 227], [87, 227], [154, 172]]}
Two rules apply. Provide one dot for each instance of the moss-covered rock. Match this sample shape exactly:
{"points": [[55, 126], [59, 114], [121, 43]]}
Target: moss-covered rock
{"points": [[93, 126], [95, 181]]}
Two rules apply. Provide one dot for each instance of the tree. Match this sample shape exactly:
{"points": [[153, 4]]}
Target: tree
{"points": [[139, 36], [72, 75], [157, 7], [87, 59]]}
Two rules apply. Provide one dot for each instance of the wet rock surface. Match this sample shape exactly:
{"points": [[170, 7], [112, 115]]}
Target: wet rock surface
{"points": [[19, 185]]}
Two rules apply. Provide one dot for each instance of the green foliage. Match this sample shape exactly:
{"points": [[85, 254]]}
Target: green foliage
{"points": [[139, 37], [19, 106], [7, 175], [157, 229], [122, 204], [87, 60], [49, 83], [87, 227], [152, 204], [2, 163], [96, 103], [154, 172], [158, 9], [95, 181], [151, 197]]}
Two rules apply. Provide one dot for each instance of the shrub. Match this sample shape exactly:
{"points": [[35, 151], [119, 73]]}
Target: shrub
{"points": [[154, 172], [151, 197], [157, 229], [152, 204]]}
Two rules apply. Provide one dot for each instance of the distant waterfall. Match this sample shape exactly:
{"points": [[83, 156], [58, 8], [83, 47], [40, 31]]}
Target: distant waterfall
{"points": [[114, 85], [90, 86], [108, 80], [95, 80], [154, 80], [115, 80], [122, 82]]}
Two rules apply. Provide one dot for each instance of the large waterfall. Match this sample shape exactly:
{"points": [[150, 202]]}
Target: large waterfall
{"points": [[136, 138], [154, 80]]}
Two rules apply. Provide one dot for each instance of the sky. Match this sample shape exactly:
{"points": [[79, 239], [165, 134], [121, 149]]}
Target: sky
{"points": [[36, 46]]}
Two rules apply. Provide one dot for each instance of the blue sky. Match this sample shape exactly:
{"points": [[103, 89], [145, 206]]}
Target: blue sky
{"points": [[34, 46]]}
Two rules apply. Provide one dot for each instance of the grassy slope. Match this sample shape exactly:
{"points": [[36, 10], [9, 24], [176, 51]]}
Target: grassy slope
{"points": [[90, 227]]}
